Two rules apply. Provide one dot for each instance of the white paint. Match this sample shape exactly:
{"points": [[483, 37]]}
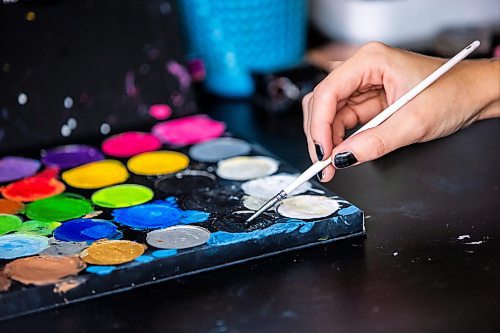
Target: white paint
{"points": [[475, 243], [68, 102], [65, 130], [246, 167], [268, 187], [254, 203], [395, 254], [72, 123], [105, 128], [463, 237], [22, 99], [308, 207]]}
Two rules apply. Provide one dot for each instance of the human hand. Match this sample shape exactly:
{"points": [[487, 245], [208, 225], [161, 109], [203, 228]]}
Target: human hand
{"points": [[376, 76]]}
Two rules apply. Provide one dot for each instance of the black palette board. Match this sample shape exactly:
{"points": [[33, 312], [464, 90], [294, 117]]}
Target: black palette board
{"points": [[283, 234]]}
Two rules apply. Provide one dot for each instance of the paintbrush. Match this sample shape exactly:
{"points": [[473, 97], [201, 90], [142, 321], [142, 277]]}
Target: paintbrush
{"points": [[380, 118]]}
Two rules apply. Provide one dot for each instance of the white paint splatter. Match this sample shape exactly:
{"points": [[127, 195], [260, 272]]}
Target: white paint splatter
{"points": [[475, 243], [105, 128], [463, 237], [395, 253], [22, 99], [65, 130], [68, 102]]}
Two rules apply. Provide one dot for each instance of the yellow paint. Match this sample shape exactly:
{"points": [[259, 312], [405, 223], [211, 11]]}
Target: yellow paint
{"points": [[112, 252], [158, 163], [96, 174]]}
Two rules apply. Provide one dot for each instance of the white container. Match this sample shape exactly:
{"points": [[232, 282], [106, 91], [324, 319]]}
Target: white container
{"points": [[399, 22]]}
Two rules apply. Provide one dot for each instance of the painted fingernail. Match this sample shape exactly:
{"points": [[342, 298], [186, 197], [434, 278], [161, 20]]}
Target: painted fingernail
{"points": [[344, 160], [319, 175], [319, 152]]}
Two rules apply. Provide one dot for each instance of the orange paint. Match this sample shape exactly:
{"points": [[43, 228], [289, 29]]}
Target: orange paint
{"points": [[10, 207]]}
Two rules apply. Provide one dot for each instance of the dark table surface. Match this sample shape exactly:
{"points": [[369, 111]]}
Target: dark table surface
{"points": [[411, 273]]}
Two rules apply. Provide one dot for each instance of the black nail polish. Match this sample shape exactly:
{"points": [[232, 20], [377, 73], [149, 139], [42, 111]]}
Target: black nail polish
{"points": [[344, 160], [319, 175], [319, 152]]}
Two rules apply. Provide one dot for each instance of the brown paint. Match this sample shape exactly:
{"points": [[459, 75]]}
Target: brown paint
{"points": [[10, 207], [4, 281], [43, 270]]}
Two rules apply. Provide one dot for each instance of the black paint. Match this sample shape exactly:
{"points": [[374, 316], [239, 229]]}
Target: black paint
{"points": [[226, 199], [236, 222], [186, 182]]}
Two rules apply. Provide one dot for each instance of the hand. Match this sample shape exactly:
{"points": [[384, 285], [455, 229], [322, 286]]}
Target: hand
{"points": [[375, 77]]}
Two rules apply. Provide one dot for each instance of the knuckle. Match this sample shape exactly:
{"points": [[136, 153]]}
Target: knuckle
{"points": [[377, 144]]}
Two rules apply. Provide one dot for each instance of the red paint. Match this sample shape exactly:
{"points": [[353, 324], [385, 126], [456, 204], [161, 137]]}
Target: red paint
{"points": [[40, 186], [189, 130], [130, 143]]}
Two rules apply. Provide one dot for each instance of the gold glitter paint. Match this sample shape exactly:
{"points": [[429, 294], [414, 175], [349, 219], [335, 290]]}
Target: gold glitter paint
{"points": [[112, 252]]}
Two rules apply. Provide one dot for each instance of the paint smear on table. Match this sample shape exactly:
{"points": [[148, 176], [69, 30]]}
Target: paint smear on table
{"points": [[20, 245], [189, 130], [70, 156], [10, 207], [5, 282], [15, 167], [69, 283], [86, 230], [96, 174], [219, 149], [59, 208], [160, 111], [158, 214], [308, 207], [130, 143], [9, 223], [246, 167], [268, 187], [43, 270], [100, 270], [40, 186], [112, 252], [41, 228], [120, 196], [158, 163]]}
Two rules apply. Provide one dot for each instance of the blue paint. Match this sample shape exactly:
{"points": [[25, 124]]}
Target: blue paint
{"points": [[86, 230], [158, 214], [348, 210], [21, 245], [100, 270], [164, 253], [226, 238], [144, 259]]}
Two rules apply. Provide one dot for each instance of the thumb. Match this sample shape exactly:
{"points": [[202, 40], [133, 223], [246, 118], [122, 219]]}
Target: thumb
{"points": [[375, 142]]}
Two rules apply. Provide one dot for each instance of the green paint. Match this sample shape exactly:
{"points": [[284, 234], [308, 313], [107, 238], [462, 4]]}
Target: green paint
{"points": [[9, 223], [40, 228], [61, 207], [120, 196]]}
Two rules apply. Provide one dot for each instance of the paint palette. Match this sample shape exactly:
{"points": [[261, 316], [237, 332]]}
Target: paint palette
{"points": [[150, 207]]}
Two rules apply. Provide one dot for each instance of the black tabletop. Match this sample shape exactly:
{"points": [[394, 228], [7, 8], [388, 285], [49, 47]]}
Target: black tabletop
{"points": [[430, 261]]}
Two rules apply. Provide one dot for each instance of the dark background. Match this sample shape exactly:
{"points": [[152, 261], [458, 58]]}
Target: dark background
{"points": [[410, 274]]}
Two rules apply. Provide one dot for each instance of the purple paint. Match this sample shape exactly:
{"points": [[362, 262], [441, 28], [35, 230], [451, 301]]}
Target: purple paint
{"points": [[15, 167], [70, 156]]}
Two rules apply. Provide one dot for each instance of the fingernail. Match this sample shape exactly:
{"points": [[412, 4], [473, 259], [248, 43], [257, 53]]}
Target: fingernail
{"points": [[344, 160], [319, 175], [319, 152]]}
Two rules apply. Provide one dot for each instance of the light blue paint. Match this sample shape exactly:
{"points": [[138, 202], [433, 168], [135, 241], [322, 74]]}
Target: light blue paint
{"points": [[164, 253], [144, 259], [21, 245], [226, 238], [158, 214], [100, 270], [348, 210]]}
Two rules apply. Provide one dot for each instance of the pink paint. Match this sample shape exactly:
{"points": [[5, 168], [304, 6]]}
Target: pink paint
{"points": [[160, 111], [189, 130], [181, 73], [129, 144]]}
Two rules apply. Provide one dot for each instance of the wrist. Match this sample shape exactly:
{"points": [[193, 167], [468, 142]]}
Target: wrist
{"points": [[484, 87]]}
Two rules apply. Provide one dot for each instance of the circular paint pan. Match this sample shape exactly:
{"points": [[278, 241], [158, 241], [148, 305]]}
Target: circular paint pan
{"points": [[70, 156], [130, 143], [64, 248], [43, 270], [246, 167], [41, 228], [255, 203], [120, 196], [40, 186], [86, 230], [178, 237], [187, 181], [189, 130], [236, 222], [268, 187], [96, 174], [219, 149], [9, 223], [112, 252], [158, 163], [10, 207], [307, 207], [15, 167], [59, 208], [222, 200], [20, 245]]}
